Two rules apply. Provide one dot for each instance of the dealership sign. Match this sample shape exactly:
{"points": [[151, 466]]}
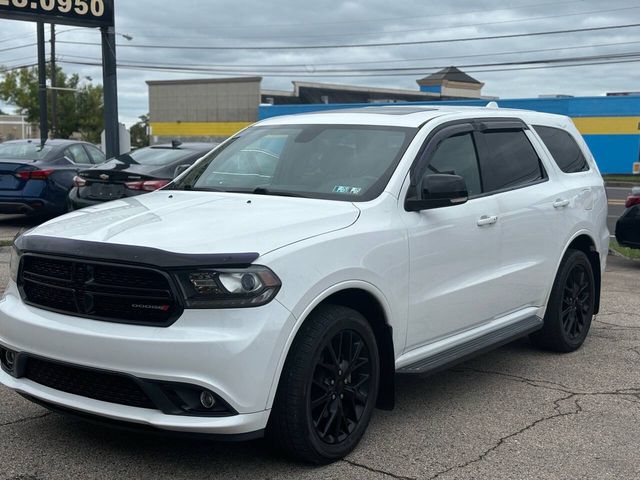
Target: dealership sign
{"points": [[84, 13]]}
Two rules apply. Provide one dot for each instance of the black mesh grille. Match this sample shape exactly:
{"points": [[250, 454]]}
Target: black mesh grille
{"points": [[104, 386], [101, 291]]}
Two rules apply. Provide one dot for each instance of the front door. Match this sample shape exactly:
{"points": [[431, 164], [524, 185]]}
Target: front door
{"points": [[454, 251]]}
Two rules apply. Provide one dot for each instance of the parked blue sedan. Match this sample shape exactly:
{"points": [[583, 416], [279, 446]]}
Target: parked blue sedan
{"points": [[36, 180]]}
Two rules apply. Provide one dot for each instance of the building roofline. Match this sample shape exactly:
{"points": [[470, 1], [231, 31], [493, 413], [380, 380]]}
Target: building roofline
{"points": [[357, 88], [278, 93], [201, 81]]}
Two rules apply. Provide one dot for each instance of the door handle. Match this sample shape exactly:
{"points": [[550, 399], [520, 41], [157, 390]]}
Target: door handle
{"points": [[487, 220], [560, 203]]}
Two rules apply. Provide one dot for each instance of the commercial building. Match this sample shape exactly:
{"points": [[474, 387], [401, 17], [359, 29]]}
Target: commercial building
{"points": [[215, 109], [16, 127]]}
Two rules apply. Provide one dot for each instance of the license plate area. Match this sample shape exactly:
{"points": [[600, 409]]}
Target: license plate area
{"points": [[106, 191], [8, 181]]}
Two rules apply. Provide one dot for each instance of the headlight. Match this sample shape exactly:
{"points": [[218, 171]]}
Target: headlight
{"points": [[14, 263], [228, 288]]}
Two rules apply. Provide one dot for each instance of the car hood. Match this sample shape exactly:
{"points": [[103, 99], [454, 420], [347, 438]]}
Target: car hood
{"points": [[204, 222]]}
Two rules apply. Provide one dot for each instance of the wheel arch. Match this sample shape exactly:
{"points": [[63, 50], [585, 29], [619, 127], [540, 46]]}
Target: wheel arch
{"points": [[584, 242], [371, 303]]}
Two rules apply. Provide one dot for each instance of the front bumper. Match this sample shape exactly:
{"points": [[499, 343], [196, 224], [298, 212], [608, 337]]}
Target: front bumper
{"points": [[233, 353], [28, 206]]}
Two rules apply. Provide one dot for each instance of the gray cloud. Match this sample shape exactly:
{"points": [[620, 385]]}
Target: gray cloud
{"points": [[288, 22]]}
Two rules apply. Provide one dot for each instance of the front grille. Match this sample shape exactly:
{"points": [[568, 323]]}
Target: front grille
{"points": [[98, 385], [96, 290]]}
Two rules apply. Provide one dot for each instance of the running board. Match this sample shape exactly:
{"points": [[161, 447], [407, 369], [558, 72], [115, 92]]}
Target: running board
{"points": [[473, 347]]}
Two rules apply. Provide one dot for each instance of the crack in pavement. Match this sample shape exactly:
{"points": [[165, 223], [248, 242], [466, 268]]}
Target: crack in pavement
{"points": [[616, 325], [504, 439], [23, 420], [569, 393], [623, 392], [608, 314], [545, 384], [634, 350], [375, 470]]}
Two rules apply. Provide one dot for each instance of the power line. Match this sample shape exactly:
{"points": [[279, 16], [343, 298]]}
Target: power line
{"points": [[18, 47], [316, 71], [511, 66], [368, 45]]}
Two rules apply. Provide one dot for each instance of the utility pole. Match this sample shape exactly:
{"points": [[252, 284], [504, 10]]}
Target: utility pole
{"points": [[110, 86], [42, 85], [54, 92]]}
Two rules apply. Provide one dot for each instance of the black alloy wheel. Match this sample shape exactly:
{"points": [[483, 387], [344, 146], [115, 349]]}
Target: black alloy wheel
{"points": [[339, 387], [577, 304], [571, 305], [328, 387]]}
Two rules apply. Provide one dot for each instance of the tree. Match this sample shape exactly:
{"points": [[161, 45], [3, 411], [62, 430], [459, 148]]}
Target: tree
{"points": [[80, 108], [138, 132]]}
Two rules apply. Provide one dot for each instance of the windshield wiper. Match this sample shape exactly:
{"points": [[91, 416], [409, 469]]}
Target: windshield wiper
{"points": [[279, 193]]}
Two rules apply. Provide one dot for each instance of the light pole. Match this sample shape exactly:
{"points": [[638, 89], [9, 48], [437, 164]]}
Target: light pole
{"points": [[54, 93]]}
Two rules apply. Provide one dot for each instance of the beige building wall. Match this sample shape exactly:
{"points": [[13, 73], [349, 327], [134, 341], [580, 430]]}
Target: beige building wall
{"points": [[199, 110], [16, 127]]}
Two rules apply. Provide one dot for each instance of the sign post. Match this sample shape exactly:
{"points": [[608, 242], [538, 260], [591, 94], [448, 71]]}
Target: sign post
{"points": [[82, 13]]}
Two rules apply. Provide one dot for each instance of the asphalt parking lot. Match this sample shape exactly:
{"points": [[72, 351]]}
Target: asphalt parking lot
{"points": [[513, 413]]}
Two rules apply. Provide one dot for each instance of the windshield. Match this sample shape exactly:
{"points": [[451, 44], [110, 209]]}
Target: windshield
{"points": [[155, 156], [341, 162], [23, 151]]}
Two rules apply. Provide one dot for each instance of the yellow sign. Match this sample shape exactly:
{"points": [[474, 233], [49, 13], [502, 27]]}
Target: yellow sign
{"points": [[636, 168]]}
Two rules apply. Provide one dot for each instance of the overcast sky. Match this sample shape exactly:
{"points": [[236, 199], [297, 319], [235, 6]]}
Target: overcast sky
{"points": [[322, 22]]}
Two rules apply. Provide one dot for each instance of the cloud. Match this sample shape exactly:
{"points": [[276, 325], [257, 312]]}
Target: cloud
{"points": [[289, 22]]}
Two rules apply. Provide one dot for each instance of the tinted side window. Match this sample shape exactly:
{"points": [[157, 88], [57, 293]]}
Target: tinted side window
{"points": [[456, 155], [78, 155], [563, 148], [96, 155], [511, 161]]}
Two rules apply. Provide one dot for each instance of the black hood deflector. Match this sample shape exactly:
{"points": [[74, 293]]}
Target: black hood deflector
{"points": [[128, 254]]}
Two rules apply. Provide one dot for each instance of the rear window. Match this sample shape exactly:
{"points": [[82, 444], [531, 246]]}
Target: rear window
{"points": [[563, 148], [511, 161], [156, 156], [23, 151]]}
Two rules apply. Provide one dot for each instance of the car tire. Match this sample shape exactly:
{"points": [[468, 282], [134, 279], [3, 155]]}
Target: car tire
{"points": [[328, 387], [571, 305]]}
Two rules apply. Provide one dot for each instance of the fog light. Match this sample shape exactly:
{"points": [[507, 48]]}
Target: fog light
{"points": [[207, 399], [9, 358]]}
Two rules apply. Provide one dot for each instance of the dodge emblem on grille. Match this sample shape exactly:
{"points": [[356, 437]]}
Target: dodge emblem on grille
{"points": [[104, 176]]}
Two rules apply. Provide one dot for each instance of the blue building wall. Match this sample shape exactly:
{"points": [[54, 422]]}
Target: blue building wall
{"points": [[431, 88], [610, 125]]}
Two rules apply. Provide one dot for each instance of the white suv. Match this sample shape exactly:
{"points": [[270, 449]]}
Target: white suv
{"points": [[278, 285]]}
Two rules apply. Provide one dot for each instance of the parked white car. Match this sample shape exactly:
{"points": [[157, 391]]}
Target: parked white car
{"points": [[279, 284]]}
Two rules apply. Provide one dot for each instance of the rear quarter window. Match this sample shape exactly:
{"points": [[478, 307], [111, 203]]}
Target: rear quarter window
{"points": [[564, 149]]}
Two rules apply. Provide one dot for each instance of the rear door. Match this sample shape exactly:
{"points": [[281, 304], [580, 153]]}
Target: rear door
{"points": [[515, 176]]}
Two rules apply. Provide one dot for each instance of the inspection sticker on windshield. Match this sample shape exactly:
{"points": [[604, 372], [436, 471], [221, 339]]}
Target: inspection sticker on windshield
{"points": [[346, 189]]}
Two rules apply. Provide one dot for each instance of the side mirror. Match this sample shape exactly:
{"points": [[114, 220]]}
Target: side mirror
{"points": [[180, 169], [437, 191]]}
